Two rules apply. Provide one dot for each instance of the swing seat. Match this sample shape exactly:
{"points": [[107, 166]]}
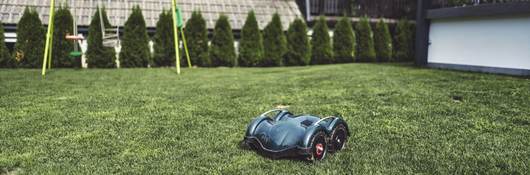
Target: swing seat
{"points": [[110, 42], [75, 37], [76, 54]]}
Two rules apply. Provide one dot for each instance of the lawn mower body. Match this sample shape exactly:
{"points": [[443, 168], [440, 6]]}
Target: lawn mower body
{"points": [[283, 134]]}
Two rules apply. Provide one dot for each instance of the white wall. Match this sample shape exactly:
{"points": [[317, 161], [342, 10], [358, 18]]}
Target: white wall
{"points": [[501, 42]]}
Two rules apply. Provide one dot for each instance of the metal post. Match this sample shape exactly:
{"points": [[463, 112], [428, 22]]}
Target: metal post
{"points": [[176, 34], [308, 10], [422, 33], [49, 35], [185, 47]]}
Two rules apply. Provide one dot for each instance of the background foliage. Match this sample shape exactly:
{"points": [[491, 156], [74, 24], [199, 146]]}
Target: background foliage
{"points": [[197, 39], [383, 42], [164, 42], [135, 41], [222, 49], [299, 47], [321, 43], [63, 25], [274, 42], [29, 48], [99, 56], [344, 41], [251, 43], [365, 40]]}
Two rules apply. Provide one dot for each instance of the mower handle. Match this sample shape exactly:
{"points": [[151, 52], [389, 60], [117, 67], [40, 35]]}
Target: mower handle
{"points": [[271, 111]]}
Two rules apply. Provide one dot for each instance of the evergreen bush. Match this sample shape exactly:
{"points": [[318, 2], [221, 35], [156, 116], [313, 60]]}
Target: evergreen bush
{"points": [[164, 42], [63, 25], [99, 56], [222, 50], [6, 61], [251, 43], [197, 40], [404, 38], [274, 42], [29, 48], [299, 48], [365, 49], [135, 50], [321, 43], [383, 41], [344, 41]]}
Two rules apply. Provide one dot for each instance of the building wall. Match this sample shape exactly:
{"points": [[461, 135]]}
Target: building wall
{"points": [[492, 42]]}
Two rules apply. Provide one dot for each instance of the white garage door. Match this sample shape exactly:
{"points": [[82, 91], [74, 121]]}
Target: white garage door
{"points": [[500, 42]]}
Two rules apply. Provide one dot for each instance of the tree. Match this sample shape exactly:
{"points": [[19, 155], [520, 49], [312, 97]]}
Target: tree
{"points": [[383, 41], [135, 42], [299, 48], [222, 51], [164, 46], [197, 39], [99, 56], [274, 42], [321, 43], [251, 43], [6, 61], [63, 25], [365, 35], [29, 48], [344, 41], [404, 39]]}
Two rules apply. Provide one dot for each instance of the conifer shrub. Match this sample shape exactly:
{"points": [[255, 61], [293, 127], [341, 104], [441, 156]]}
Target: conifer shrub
{"points": [[365, 36], [404, 41], [344, 41], [274, 42], [29, 48], [164, 42], [197, 40], [299, 47], [63, 25], [6, 60], [135, 41], [99, 56], [383, 42], [251, 43], [321, 43], [222, 50]]}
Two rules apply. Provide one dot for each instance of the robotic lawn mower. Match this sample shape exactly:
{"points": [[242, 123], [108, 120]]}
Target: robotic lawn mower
{"points": [[279, 134]]}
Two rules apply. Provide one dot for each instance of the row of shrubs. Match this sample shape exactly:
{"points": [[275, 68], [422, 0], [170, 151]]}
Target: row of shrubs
{"points": [[270, 47]]}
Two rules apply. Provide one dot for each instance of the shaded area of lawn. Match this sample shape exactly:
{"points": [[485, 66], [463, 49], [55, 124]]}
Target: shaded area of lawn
{"points": [[403, 119]]}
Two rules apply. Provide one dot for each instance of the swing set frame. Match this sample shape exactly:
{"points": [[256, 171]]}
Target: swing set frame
{"points": [[177, 26]]}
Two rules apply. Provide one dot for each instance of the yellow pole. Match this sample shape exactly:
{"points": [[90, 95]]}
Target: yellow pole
{"points": [[176, 34], [185, 47], [51, 45], [48, 37]]}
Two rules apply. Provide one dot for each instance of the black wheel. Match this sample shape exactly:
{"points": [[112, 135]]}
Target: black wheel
{"points": [[319, 147], [339, 137]]}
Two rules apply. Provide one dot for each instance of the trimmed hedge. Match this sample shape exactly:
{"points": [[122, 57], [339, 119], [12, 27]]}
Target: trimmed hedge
{"points": [[29, 48], [222, 50], [164, 42], [404, 41], [135, 41], [322, 51], [365, 38], [197, 40], [274, 42], [63, 25], [6, 61], [344, 41], [299, 47], [383, 42], [251, 43], [97, 55]]}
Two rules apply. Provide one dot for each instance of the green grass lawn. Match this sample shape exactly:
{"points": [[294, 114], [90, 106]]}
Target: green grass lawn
{"points": [[403, 120]]}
